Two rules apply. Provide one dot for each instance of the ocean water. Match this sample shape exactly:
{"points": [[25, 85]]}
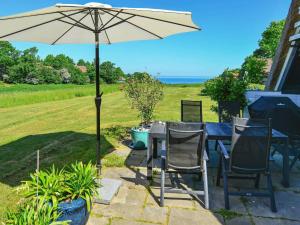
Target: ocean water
{"points": [[182, 80]]}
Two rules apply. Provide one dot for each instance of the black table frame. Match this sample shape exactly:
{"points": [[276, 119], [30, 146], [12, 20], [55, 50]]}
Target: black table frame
{"points": [[215, 131]]}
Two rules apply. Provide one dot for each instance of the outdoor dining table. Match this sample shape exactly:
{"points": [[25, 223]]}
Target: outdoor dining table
{"points": [[215, 131]]}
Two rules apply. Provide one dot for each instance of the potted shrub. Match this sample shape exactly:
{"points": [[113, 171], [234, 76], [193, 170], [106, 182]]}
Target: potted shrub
{"points": [[143, 92], [70, 191]]}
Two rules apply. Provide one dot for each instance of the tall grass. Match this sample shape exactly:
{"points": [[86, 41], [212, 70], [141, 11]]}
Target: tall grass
{"points": [[24, 94]]}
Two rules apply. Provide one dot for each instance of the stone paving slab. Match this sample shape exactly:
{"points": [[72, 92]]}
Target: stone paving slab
{"points": [[155, 214], [171, 199], [94, 220], [216, 195], [266, 221], [137, 202], [288, 204], [196, 217], [119, 221], [241, 220]]}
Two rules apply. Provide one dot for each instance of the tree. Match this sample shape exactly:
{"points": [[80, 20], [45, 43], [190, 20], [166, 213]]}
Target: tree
{"points": [[81, 62], [25, 67], [91, 72], [77, 77], [48, 75], [29, 56], [59, 62], [270, 39], [253, 69], [19, 72], [8, 57], [109, 73]]}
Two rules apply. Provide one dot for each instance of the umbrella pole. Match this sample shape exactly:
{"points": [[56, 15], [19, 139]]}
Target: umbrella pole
{"points": [[98, 95]]}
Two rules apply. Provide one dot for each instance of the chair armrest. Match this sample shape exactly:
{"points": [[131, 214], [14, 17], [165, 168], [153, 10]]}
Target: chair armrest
{"points": [[223, 150]]}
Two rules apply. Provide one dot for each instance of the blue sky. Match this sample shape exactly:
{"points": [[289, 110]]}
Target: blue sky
{"points": [[230, 31]]}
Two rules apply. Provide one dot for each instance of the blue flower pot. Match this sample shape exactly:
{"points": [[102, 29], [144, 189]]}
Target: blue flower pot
{"points": [[75, 211], [139, 138]]}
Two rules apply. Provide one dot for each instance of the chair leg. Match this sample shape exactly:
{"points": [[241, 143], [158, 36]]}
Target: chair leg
{"points": [[205, 183], [293, 162], [162, 187], [216, 146], [225, 180], [257, 179], [219, 171], [272, 197]]}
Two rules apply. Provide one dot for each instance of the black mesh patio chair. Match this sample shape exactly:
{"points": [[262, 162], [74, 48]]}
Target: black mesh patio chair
{"points": [[184, 154], [248, 157], [191, 111], [226, 111]]}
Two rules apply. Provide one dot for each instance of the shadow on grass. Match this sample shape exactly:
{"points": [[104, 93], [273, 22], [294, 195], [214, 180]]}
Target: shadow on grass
{"points": [[18, 158]]}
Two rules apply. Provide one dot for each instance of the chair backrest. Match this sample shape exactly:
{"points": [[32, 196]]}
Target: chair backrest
{"points": [[250, 147], [191, 111], [185, 145], [228, 109]]}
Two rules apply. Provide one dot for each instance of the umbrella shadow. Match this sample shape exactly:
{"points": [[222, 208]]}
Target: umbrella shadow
{"points": [[19, 158]]}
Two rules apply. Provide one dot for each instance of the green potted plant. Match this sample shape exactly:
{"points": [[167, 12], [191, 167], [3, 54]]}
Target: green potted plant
{"points": [[69, 190], [144, 92], [38, 212]]}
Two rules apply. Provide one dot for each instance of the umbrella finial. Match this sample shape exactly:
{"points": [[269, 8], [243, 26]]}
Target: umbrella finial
{"points": [[97, 5]]}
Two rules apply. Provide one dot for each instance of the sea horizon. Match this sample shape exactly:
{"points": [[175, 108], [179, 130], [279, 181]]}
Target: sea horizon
{"points": [[182, 79]]}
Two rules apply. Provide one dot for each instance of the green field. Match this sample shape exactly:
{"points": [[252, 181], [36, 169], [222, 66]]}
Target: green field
{"points": [[59, 120]]}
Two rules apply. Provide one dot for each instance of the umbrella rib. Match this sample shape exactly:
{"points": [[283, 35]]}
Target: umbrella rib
{"points": [[76, 21], [111, 19], [77, 25], [152, 18], [122, 20], [104, 30], [60, 37], [115, 24], [39, 14], [37, 25], [90, 12]]}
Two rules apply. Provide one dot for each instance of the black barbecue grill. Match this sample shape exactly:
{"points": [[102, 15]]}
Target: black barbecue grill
{"points": [[285, 116]]}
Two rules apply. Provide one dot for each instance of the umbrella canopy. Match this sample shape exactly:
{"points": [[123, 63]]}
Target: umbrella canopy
{"points": [[66, 24], [94, 23]]}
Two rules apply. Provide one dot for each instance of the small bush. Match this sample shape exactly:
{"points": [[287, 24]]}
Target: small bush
{"points": [[117, 132], [226, 87], [77, 77]]}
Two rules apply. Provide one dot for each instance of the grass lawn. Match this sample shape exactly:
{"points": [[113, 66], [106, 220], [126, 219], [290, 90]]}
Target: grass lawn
{"points": [[59, 120]]}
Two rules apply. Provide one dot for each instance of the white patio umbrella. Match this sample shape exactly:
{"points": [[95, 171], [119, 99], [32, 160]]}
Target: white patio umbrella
{"points": [[94, 23]]}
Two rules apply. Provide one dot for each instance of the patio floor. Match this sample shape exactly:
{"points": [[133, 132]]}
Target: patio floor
{"points": [[137, 200]]}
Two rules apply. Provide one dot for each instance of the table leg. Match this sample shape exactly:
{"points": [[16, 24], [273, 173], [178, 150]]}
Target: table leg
{"points": [[155, 142], [285, 167], [149, 158], [207, 147]]}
